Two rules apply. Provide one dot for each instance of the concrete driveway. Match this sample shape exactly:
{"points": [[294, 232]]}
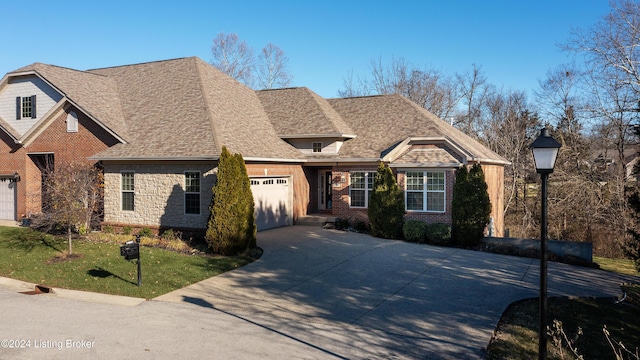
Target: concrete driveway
{"points": [[347, 295]]}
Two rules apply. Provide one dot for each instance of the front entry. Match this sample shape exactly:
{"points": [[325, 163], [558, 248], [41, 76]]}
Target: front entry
{"points": [[7, 200], [325, 201]]}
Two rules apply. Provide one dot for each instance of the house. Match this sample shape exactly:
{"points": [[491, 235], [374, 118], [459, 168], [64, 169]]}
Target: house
{"points": [[157, 130]]}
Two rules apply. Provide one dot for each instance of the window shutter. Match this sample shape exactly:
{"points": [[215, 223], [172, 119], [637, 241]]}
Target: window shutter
{"points": [[18, 103], [34, 114]]}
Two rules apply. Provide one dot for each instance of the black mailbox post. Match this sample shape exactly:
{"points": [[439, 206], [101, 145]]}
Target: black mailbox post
{"points": [[131, 250]]}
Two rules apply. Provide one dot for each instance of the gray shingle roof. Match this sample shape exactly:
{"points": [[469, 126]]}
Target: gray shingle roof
{"points": [[94, 94], [185, 108], [382, 122], [300, 111]]}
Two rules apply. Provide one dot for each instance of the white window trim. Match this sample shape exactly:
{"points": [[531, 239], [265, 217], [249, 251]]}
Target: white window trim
{"points": [[184, 208], [122, 191], [313, 147], [72, 122], [367, 190], [425, 192]]}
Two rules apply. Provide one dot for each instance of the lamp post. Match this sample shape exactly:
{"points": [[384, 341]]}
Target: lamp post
{"points": [[545, 150]]}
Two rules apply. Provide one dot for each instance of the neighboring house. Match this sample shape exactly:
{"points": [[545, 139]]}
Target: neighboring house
{"points": [[157, 130]]}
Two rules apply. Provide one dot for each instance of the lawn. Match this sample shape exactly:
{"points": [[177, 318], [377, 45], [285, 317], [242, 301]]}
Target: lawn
{"points": [[517, 334], [35, 257]]}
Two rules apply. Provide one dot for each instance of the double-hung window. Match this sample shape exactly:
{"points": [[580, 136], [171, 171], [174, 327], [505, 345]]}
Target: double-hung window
{"points": [[26, 107], [128, 190], [361, 188], [192, 192], [425, 191]]}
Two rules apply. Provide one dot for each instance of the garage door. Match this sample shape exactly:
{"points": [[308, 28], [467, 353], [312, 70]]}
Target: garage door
{"points": [[273, 202], [7, 200]]}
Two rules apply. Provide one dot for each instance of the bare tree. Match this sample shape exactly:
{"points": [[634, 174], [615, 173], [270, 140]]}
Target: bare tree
{"points": [[233, 57], [271, 68], [474, 89], [428, 88], [74, 197]]}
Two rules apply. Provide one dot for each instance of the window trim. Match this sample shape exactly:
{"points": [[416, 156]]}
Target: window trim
{"points": [[21, 108], [313, 147], [199, 192], [128, 191], [367, 190], [425, 191]]}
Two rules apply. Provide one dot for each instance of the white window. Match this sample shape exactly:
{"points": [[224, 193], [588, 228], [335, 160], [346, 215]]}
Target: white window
{"points": [[316, 147], [128, 191], [425, 191], [192, 192], [361, 188], [72, 122]]}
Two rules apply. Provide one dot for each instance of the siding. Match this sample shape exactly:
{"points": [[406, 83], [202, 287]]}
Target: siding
{"points": [[46, 98]]}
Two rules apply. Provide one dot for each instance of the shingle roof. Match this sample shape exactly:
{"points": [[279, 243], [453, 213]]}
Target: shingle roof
{"points": [[94, 94], [185, 108], [382, 122], [300, 111]]}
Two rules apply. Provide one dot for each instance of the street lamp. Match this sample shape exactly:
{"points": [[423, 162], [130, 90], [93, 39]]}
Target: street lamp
{"points": [[545, 150]]}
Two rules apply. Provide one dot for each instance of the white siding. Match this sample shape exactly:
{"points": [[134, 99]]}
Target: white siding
{"points": [[46, 98], [305, 146]]}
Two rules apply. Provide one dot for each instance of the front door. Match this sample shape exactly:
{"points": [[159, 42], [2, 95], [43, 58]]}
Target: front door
{"points": [[324, 190]]}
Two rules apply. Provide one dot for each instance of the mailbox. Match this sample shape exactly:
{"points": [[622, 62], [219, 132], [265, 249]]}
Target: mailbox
{"points": [[130, 250]]}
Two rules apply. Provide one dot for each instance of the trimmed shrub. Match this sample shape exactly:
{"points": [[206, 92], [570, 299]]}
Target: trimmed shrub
{"points": [[438, 234], [231, 229], [386, 205], [414, 231], [342, 224], [471, 207], [360, 225]]}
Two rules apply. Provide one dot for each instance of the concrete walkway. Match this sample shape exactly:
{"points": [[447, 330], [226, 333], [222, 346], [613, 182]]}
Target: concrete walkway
{"points": [[354, 296]]}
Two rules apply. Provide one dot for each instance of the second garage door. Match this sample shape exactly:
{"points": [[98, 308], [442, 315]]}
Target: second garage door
{"points": [[7, 200], [273, 202]]}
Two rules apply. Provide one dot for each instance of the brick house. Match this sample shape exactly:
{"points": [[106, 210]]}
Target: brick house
{"points": [[157, 130]]}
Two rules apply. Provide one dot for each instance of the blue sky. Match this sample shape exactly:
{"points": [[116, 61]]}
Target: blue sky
{"points": [[515, 41]]}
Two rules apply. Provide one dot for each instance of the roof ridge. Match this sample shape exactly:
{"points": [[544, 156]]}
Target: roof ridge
{"points": [[143, 63]]}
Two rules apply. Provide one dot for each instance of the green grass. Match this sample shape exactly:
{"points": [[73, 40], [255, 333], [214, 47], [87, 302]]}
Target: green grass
{"points": [[517, 333], [35, 257], [622, 266]]}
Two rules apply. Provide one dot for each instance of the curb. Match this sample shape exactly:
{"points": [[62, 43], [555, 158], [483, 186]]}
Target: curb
{"points": [[25, 287]]}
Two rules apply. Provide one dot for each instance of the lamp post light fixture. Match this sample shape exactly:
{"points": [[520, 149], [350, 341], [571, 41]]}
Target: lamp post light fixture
{"points": [[545, 151]]}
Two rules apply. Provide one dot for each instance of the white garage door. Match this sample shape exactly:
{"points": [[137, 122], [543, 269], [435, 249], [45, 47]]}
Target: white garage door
{"points": [[7, 200], [273, 202]]}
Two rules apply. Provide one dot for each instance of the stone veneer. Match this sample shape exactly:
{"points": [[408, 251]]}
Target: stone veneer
{"points": [[159, 194]]}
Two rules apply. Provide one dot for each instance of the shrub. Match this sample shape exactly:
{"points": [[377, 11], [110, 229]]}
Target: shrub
{"points": [[232, 228], [127, 230], [386, 205], [471, 207], [438, 234], [342, 224], [414, 231], [360, 225], [108, 229], [170, 235], [146, 232]]}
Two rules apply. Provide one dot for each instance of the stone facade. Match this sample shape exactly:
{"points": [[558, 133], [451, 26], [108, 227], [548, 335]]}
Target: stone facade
{"points": [[159, 195]]}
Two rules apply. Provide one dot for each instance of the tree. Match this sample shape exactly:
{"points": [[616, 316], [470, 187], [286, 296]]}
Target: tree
{"points": [[471, 207], [236, 58], [386, 205], [233, 57], [271, 69], [73, 196], [231, 228], [633, 245], [474, 89], [426, 87]]}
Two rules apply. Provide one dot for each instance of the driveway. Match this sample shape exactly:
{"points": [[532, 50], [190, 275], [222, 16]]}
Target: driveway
{"points": [[347, 295]]}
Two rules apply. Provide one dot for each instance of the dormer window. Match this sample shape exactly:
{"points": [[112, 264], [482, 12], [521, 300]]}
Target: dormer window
{"points": [[26, 107], [316, 147]]}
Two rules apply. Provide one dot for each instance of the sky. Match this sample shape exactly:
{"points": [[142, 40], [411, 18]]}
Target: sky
{"points": [[514, 42]]}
